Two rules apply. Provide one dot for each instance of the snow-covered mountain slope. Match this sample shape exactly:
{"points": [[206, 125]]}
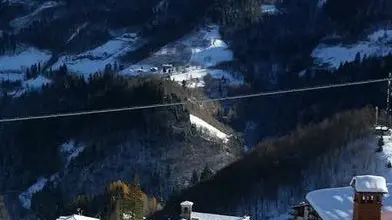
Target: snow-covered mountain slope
{"points": [[95, 60], [24, 58], [208, 129], [377, 44], [194, 57]]}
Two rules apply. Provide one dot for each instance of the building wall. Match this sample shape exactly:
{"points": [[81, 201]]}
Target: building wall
{"points": [[367, 206]]}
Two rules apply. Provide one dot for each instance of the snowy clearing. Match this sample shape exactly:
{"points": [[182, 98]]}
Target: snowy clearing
{"points": [[26, 196], [36, 83], [194, 76], [204, 126], [18, 62], [194, 56], [96, 59], [376, 44], [11, 77]]}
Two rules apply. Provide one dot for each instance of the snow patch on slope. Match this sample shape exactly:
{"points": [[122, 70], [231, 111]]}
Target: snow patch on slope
{"points": [[18, 62], [214, 51], [71, 150], [211, 130], [76, 33], [36, 83], [376, 44], [194, 76], [26, 196], [11, 77], [96, 59]]}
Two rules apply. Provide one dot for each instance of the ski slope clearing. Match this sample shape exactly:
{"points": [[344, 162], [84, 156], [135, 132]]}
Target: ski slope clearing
{"points": [[95, 60], [12, 77], [19, 62], [208, 129], [377, 44]]}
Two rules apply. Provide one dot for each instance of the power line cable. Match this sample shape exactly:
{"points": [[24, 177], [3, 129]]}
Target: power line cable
{"points": [[160, 105]]}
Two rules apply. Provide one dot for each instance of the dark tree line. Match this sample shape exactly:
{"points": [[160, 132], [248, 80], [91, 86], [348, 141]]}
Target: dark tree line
{"points": [[8, 42], [353, 16]]}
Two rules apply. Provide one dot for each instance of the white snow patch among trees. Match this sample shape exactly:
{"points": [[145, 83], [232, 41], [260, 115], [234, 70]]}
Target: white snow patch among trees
{"points": [[200, 51], [211, 130], [11, 77], [26, 196], [376, 44], [71, 150], [36, 83], [97, 59], [215, 51], [18, 62]]}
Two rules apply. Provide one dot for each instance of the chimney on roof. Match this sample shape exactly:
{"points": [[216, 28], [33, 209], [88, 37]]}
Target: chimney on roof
{"points": [[368, 192], [186, 210]]}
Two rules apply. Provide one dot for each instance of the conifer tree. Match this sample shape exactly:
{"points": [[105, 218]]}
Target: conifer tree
{"points": [[195, 178]]}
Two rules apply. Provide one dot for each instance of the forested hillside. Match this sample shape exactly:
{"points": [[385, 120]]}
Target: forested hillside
{"points": [[72, 153], [259, 182], [70, 56]]}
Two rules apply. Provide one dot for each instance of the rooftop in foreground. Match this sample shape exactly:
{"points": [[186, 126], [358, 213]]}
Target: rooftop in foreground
{"points": [[337, 203]]}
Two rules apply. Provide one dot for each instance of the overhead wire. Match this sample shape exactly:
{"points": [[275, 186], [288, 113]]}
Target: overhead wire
{"points": [[161, 105]]}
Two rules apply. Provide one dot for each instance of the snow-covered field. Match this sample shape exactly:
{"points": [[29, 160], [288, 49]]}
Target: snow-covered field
{"points": [[96, 59], [209, 129], [195, 55], [18, 62], [378, 43]]}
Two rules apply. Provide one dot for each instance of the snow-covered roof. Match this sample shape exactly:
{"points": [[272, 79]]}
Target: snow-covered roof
{"points": [[207, 216], [187, 203], [369, 183], [382, 128], [76, 217], [337, 203]]}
